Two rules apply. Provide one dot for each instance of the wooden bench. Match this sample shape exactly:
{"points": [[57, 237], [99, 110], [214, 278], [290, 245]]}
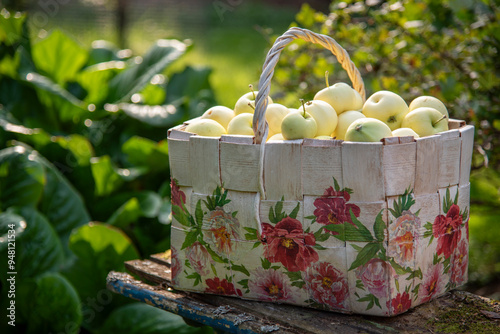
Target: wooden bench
{"points": [[455, 312]]}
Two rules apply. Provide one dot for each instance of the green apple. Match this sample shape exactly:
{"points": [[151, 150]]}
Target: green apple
{"points": [[246, 103], [298, 125], [340, 96], [425, 121], [367, 130], [324, 115], [323, 137], [431, 102], [274, 115], [401, 132], [241, 124], [277, 136], [206, 127], [345, 119], [220, 114], [386, 106]]}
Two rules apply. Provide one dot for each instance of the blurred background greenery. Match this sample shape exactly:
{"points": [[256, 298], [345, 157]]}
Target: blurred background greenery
{"points": [[88, 89]]}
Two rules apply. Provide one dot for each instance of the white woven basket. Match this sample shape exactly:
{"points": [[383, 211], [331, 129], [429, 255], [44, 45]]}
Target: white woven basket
{"points": [[369, 228]]}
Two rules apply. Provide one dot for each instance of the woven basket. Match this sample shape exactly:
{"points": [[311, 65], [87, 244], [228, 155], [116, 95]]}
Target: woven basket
{"points": [[369, 228]]}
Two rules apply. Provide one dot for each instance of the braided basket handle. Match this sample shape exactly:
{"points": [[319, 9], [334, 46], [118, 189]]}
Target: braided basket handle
{"points": [[259, 121]]}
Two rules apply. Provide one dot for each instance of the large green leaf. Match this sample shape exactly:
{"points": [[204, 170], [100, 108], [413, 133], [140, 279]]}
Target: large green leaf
{"points": [[106, 176], [11, 27], [99, 249], [50, 304], [145, 152], [61, 203], [94, 79], [141, 204], [22, 178], [59, 57], [12, 226], [140, 318], [142, 70], [37, 249]]}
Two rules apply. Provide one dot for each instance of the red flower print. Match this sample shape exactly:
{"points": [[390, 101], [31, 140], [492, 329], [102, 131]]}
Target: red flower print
{"points": [[460, 263], [400, 303], [327, 285], [199, 258], [334, 210], [221, 287], [178, 196], [221, 231], [375, 277], [402, 239], [433, 283], [271, 285], [175, 265], [287, 243], [447, 230]]}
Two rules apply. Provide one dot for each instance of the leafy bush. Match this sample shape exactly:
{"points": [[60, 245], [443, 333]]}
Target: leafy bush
{"points": [[84, 174]]}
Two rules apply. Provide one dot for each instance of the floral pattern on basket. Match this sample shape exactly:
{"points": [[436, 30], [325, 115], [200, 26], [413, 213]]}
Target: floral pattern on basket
{"points": [[292, 268]]}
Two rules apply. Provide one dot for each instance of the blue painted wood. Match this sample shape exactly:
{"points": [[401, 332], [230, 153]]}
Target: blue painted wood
{"points": [[201, 313]]}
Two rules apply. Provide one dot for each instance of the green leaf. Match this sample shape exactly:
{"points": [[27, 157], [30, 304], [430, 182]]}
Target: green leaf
{"points": [[59, 57], [140, 318], [99, 249], [320, 236], [199, 214], [252, 233], [240, 268], [358, 232], [94, 79], [21, 178], [243, 283], [142, 204], [266, 264], [295, 211], [191, 238], [11, 28], [139, 74], [294, 275], [181, 216], [106, 176], [379, 227], [148, 153], [38, 248], [49, 295], [336, 185], [197, 277], [366, 254]]}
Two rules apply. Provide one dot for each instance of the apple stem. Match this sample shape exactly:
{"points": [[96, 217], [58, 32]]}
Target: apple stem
{"points": [[326, 79], [303, 107], [439, 120], [253, 92], [251, 105]]}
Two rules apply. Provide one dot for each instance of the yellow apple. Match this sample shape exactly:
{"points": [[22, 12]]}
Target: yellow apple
{"points": [[323, 137], [341, 97], [206, 127], [345, 119], [324, 115], [274, 115], [386, 106], [241, 124], [298, 125], [220, 114], [246, 103], [425, 121], [276, 137], [429, 101], [367, 130], [401, 132]]}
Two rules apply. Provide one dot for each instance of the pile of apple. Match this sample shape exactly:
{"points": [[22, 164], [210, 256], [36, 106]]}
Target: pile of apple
{"points": [[336, 111]]}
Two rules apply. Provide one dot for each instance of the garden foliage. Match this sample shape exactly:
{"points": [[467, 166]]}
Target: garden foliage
{"points": [[84, 174]]}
